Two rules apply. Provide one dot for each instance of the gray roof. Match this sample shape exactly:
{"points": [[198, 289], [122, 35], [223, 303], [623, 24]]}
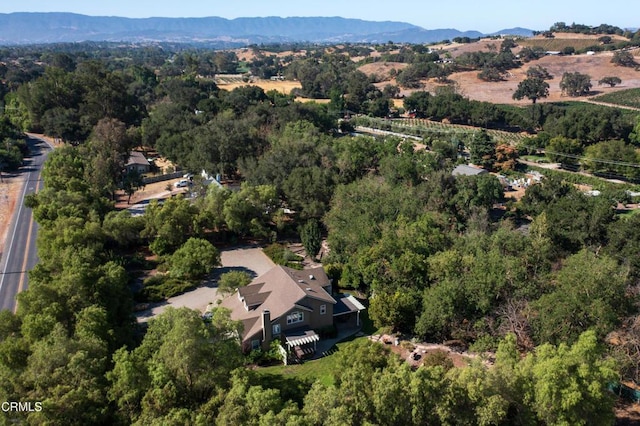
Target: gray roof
{"points": [[136, 158], [347, 304], [466, 170], [278, 290]]}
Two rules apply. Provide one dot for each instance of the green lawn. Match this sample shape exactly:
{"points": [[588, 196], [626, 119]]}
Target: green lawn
{"points": [[629, 213], [535, 158], [320, 369]]}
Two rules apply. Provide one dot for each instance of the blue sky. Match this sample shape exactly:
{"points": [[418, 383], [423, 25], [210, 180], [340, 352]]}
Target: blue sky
{"points": [[481, 15]]}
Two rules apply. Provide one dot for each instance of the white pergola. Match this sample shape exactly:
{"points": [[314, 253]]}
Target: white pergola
{"points": [[303, 338]]}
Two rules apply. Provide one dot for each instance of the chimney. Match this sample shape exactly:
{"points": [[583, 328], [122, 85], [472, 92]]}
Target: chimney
{"points": [[266, 326]]}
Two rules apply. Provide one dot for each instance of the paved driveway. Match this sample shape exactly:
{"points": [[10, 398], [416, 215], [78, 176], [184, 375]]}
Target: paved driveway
{"points": [[249, 259]]}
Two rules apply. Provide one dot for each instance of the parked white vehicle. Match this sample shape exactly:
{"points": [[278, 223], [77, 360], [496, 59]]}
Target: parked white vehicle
{"points": [[181, 183]]}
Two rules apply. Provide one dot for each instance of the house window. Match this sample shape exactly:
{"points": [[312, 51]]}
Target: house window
{"points": [[295, 317], [255, 344], [275, 329], [323, 309]]}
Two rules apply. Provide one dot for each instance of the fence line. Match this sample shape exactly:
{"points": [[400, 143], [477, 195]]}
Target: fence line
{"points": [[160, 178]]}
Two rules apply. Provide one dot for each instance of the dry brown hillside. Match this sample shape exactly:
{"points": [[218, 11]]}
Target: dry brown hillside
{"points": [[382, 69], [597, 66]]}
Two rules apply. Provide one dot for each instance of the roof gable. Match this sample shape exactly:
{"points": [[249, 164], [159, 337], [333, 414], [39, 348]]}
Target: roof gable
{"points": [[278, 290]]}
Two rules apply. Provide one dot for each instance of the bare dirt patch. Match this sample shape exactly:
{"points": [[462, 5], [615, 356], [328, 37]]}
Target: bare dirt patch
{"points": [[415, 354], [285, 86], [247, 54], [627, 413], [382, 69], [457, 49], [162, 189], [10, 188], [318, 101], [597, 66]]}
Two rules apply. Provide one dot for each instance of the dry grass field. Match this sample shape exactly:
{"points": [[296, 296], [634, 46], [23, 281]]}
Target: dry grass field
{"points": [[266, 85], [382, 69], [468, 84], [562, 40]]}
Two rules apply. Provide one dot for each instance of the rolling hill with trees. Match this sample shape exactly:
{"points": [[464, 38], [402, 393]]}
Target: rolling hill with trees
{"points": [[30, 28], [547, 283]]}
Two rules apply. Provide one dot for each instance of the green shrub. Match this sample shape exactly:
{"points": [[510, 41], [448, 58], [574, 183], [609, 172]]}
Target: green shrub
{"points": [[162, 287], [264, 358], [281, 255], [436, 358]]}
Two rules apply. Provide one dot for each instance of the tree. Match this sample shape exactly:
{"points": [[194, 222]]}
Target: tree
{"points": [[122, 228], [63, 371], [391, 91], [491, 74], [360, 210], [563, 150], [195, 259], [182, 362], [624, 241], [568, 384], [531, 53], [254, 405], [482, 149], [170, 224], [605, 39], [108, 151], [575, 84], [532, 88], [623, 58], [538, 71], [131, 182], [10, 155], [589, 293], [308, 190], [211, 207], [249, 210], [418, 101], [614, 156], [506, 156], [611, 81], [311, 237], [229, 282], [395, 308]]}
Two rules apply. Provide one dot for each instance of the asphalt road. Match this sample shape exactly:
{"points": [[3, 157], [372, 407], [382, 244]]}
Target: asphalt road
{"points": [[20, 255]]}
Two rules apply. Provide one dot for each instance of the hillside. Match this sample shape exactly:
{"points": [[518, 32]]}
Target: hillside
{"points": [[597, 66], [33, 28]]}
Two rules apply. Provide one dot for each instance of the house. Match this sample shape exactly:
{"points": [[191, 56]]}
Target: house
{"points": [[137, 162], [290, 306], [465, 170]]}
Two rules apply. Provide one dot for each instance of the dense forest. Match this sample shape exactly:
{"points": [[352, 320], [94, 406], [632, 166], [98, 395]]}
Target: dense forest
{"points": [[548, 284]]}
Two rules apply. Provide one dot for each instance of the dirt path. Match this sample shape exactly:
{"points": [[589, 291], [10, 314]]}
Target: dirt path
{"points": [[607, 104], [415, 353]]}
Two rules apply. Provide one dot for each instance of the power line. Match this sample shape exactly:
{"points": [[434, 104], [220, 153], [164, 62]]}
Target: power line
{"points": [[595, 160]]}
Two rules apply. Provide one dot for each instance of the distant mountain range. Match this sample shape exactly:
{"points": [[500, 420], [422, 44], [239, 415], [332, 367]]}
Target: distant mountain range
{"points": [[37, 28]]}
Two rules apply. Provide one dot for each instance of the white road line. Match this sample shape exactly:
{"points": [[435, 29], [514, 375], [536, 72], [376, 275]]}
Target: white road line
{"points": [[13, 235]]}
